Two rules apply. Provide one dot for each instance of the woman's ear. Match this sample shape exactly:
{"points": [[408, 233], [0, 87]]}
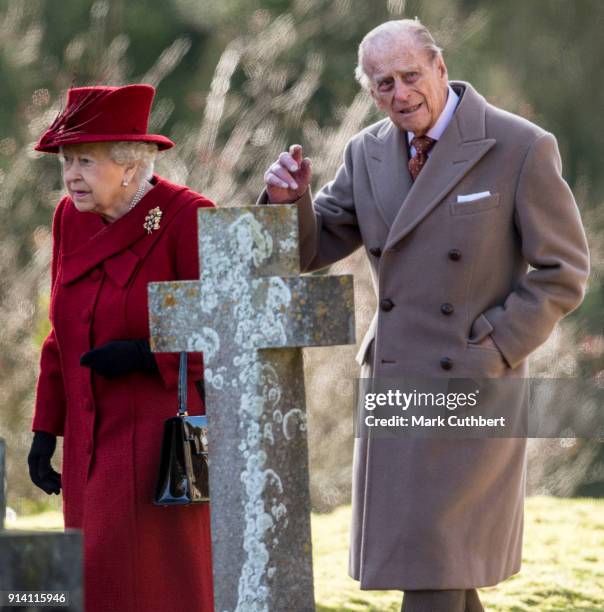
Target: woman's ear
{"points": [[130, 172]]}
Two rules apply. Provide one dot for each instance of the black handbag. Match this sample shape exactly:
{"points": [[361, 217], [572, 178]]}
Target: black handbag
{"points": [[183, 465]]}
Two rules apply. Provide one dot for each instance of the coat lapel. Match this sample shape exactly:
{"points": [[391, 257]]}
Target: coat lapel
{"points": [[114, 239], [386, 158], [460, 148]]}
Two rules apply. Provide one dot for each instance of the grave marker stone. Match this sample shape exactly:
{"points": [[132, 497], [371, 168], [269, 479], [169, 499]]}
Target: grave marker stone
{"points": [[40, 561], [250, 314], [2, 484]]}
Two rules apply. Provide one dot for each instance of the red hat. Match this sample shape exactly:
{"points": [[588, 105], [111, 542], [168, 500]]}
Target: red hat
{"points": [[103, 114]]}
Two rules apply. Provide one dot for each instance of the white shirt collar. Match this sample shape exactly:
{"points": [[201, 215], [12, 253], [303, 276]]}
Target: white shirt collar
{"points": [[438, 129]]}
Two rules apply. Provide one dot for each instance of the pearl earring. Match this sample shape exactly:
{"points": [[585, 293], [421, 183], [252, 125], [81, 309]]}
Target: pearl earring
{"points": [[124, 183]]}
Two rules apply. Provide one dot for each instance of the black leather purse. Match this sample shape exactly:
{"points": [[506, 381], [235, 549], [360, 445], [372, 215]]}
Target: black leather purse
{"points": [[183, 466]]}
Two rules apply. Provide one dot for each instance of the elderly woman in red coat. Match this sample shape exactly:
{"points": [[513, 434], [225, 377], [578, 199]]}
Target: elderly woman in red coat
{"points": [[100, 387]]}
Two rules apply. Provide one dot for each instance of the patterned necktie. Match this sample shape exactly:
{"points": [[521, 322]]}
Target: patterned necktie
{"points": [[422, 145]]}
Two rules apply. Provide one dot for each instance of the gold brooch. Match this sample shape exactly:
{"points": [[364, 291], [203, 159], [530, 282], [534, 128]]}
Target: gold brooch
{"points": [[152, 220]]}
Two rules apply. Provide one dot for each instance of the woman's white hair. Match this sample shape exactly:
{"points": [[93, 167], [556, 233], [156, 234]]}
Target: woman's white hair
{"points": [[124, 152], [389, 33]]}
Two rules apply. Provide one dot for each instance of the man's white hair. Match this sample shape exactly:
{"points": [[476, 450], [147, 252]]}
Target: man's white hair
{"points": [[124, 152], [388, 34]]}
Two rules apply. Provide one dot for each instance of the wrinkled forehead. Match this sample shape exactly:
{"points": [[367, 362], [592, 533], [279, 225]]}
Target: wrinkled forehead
{"points": [[385, 57], [97, 149]]}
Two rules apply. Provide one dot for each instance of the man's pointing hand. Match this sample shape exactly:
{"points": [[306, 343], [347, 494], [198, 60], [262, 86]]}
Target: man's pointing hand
{"points": [[288, 178]]}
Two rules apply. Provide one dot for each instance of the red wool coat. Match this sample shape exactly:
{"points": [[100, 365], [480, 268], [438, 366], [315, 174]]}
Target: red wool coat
{"points": [[136, 556]]}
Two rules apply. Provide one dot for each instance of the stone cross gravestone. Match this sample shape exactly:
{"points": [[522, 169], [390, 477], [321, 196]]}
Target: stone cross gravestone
{"points": [[249, 315], [43, 562]]}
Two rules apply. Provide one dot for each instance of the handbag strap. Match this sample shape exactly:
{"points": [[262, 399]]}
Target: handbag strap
{"points": [[182, 385]]}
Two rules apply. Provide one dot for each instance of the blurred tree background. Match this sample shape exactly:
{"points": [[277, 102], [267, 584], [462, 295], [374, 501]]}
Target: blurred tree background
{"points": [[239, 81]]}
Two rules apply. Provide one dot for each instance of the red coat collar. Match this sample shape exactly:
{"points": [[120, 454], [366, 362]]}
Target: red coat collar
{"points": [[105, 241]]}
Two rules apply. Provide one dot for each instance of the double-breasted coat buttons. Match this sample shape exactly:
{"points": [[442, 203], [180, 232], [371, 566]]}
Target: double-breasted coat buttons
{"points": [[447, 309], [446, 363], [386, 304]]}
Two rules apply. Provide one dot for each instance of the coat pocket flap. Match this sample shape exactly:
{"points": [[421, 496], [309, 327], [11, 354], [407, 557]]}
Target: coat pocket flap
{"points": [[481, 328]]}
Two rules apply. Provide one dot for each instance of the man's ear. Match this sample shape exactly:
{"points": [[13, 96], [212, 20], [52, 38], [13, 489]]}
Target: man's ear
{"points": [[441, 67]]}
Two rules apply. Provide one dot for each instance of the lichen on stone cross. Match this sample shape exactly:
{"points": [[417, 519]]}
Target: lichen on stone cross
{"points": [[249, 315]]}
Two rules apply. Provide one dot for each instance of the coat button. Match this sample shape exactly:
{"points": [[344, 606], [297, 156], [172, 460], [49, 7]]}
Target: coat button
{"points": [[446, 363], [447, 308], [86, 315], [95, 275], [386, 304], [454, 254], [375, 251]]}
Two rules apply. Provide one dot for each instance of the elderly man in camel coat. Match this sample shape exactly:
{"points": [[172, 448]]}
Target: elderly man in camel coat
{"points": [[476, 249]]}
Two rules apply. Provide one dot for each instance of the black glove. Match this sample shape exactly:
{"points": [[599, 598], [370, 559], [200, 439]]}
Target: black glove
{"points": [[121, 357], [40, 471]]}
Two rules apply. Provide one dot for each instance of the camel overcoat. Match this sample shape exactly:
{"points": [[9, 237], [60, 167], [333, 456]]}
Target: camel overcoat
{"points": [[448, 513], [137, 557]]}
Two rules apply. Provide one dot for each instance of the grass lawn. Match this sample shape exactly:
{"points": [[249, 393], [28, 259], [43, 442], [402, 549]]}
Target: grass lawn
{"points": [[563, 562], [562, 569]]}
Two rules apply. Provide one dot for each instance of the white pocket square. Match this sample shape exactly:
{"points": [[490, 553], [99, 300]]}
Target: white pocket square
{"points": [[473, 196]]}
